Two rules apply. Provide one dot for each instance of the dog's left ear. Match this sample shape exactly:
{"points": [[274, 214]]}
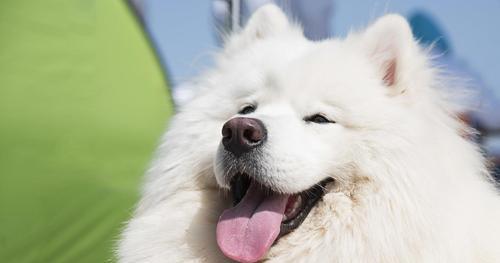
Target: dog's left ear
{"points": [[389, 44]]}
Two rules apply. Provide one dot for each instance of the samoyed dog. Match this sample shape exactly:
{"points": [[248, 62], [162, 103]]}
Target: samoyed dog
{"points": [[333, 151]]}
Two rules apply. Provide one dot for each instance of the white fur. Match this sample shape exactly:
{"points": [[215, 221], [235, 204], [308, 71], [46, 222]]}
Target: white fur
{"points": [[408, 186]]}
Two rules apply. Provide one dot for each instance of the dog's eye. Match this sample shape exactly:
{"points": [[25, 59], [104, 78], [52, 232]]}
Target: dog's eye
{"points": [[318, 118], [247, 109]]}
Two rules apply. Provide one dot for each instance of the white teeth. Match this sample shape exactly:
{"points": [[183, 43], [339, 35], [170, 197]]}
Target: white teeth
{"points": [[294, 209], [297, 203]]}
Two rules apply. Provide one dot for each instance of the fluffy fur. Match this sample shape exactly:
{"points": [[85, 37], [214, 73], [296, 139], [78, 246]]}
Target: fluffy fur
{"points": [[408, 186]]}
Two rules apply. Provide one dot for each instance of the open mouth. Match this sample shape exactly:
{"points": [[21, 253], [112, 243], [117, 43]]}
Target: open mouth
{"points": [[260, 216], [297, 206]]}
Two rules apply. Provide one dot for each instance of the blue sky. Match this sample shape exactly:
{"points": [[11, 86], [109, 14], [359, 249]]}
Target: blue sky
{"points": [[184, 34]]}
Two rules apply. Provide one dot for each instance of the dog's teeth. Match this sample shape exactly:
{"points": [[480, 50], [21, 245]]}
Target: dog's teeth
{"points": [[299, 202], [296, 204], [293, 210]]}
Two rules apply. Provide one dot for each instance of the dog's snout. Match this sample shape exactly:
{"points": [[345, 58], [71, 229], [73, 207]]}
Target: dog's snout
{"points": [[240, 135]]}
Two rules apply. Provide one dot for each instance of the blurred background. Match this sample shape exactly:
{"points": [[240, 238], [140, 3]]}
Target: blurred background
{"points": [[85, 94]]}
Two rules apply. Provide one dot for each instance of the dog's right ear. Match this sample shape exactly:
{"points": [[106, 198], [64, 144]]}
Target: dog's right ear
{"points": [[267, 21]]}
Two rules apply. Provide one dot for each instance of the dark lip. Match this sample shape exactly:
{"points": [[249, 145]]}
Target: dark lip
{"points": [[241, 182]]}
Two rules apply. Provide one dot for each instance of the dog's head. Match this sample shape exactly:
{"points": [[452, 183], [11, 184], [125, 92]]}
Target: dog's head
{"points": [[300, 115]]}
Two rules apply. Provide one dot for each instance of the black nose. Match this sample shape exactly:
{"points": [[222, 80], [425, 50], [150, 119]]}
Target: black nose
{"points": [[240, 135]]}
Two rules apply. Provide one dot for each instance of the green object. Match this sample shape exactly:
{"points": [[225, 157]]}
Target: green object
{"points": [[82, 104]]}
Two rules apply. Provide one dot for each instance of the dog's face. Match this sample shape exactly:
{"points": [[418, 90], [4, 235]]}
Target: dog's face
{"points": [[311, 100], [299, 116], [293, 130]]}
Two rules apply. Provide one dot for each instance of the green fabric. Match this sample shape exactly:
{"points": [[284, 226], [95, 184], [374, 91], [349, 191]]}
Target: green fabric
{"points": [[82, 105]]}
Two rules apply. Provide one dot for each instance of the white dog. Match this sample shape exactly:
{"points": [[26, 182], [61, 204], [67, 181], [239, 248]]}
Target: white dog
{"points": [[333, 151]]}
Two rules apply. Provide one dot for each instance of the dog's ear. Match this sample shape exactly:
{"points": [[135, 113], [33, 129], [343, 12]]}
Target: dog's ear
{"points": [[389, 44], [267, 21]]}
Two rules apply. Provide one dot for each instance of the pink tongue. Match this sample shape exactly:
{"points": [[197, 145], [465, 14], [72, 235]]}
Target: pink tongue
{"points": [[246, 232]]}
